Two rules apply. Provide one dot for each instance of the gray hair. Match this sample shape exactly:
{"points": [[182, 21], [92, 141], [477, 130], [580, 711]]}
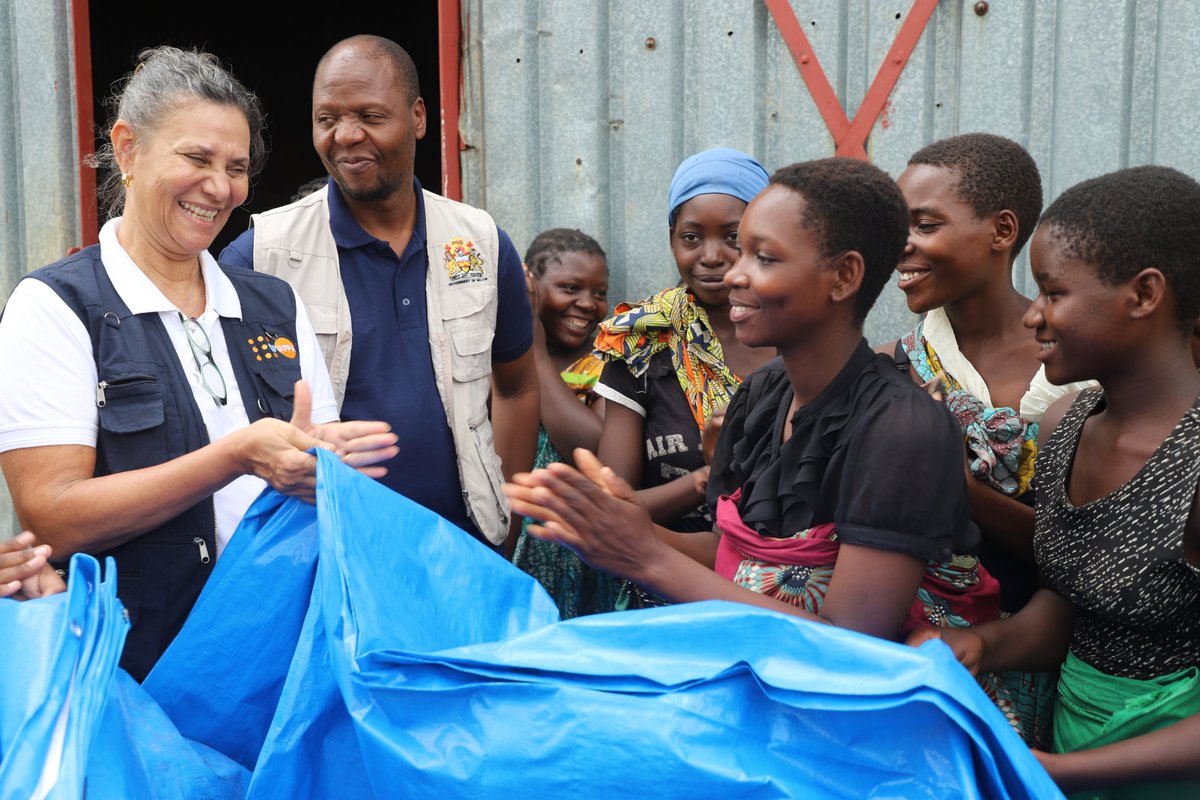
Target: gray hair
{"points": [[165, 79]]}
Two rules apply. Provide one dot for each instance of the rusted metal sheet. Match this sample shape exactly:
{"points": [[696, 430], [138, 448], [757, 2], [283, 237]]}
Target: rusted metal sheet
{"points": [[576, 113]]}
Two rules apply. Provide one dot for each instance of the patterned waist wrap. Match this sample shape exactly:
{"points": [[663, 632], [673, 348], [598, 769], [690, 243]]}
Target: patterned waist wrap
{"points": [[797, 570]]}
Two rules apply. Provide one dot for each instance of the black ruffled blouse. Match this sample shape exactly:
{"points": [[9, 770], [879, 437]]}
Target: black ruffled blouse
{"points": [[873, 453]]}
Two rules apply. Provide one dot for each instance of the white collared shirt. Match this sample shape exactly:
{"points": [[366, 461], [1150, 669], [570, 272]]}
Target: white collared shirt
{"points": [[49, 373]]}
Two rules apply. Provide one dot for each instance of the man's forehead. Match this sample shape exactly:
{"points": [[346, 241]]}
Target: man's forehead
{"points": [[355, 66], [347, 91]]}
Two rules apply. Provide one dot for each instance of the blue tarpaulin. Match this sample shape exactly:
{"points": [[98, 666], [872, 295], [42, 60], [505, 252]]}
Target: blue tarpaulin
{"points": [[366, 647]]}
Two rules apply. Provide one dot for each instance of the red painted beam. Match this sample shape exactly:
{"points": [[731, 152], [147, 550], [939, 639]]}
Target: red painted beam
{"points": [[889, 72], [850, 137], [810, 69], [89, 229], [450, 85]]}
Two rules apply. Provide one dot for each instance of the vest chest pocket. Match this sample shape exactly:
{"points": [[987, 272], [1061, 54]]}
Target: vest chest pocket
{"points": [[132, 416], [277, 388], [472, 353]]}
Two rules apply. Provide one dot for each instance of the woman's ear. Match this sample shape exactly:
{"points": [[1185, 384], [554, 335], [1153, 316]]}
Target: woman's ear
{"points": [[848, 270], [1007, 229], [1149, 292], [123, 142]]}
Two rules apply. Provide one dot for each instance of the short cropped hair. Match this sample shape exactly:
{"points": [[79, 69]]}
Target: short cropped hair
{"points": [[165, 79], [377, 47], [549, 246], [994, 174], [852, 205], [1126, 221]]}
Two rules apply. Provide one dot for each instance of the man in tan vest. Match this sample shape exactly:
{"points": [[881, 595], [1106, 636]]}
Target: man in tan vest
{"points": [[418, 302]]}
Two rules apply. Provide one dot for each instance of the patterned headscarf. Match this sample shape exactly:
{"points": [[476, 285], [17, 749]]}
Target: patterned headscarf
{"points": [[672, 319]]}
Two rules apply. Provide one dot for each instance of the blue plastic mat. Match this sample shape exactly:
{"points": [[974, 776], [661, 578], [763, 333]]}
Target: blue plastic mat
{"points": [[368, 648]]}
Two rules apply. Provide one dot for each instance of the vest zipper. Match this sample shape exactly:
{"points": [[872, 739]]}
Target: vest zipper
{"points": [[467, 502], [216, 538], [203, 545], [100, 387]]}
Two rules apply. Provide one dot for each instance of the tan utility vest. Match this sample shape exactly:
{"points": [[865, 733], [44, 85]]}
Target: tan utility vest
{"points": [[294, 242]]}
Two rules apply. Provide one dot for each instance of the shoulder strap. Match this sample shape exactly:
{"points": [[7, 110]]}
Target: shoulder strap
{"points": [[901, 357]]}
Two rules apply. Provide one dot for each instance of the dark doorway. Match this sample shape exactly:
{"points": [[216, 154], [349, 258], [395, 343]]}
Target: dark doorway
{"points": [[253, 39]]}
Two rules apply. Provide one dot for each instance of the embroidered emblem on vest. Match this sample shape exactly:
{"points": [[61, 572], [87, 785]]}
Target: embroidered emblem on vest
{"points": [[463, 262], [266, 348]]}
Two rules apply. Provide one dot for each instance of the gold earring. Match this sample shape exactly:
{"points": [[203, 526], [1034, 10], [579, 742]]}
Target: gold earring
{"points": [[126, 179]]}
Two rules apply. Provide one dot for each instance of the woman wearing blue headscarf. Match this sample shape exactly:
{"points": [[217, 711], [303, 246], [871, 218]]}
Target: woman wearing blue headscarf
{"points": [[673, 360]]}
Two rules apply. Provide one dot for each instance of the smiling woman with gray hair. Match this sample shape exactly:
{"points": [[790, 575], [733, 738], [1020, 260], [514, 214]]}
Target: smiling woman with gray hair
{"points": [[147, 388]]}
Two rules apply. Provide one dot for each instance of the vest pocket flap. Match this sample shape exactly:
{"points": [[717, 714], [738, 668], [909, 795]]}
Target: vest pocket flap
{"points": [[130, 403], [324, 318], [466, 299], [472, 352], [279, 380], [473, 341]]}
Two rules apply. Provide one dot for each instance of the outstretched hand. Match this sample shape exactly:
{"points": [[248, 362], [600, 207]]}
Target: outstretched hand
{"points": [[276, 451], [359, 443], [590, 510], [25, 571]]}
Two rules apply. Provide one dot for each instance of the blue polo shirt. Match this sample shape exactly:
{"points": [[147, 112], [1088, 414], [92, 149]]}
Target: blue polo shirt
{"points": [[391, 369]]}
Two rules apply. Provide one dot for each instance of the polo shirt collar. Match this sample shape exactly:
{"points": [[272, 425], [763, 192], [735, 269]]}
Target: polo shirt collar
{"points": [[140, 293], [347, 233]]}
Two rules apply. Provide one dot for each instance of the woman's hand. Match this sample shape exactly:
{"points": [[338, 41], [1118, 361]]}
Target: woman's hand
{"points": [[25, 571], [966, 644], [590, 510], [933, 386], [275, 451], [708, 437], [359, 443], [535, 308]]}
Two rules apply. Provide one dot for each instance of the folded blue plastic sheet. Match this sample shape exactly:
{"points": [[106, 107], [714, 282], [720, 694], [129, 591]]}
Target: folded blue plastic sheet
{"points": [[479, 695], [60, 653], [72, 724], [368, 648], [222, 677], [140, 753]]}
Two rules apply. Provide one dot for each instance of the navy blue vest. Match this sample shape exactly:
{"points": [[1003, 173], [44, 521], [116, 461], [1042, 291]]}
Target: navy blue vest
{"points": [[148, 415]]}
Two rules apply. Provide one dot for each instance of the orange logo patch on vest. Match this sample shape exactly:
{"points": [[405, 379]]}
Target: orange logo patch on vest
{"points": [[464, 264], [265, 348]]}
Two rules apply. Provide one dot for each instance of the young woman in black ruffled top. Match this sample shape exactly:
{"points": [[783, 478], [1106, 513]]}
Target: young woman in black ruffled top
{"points": [[822, 511]]}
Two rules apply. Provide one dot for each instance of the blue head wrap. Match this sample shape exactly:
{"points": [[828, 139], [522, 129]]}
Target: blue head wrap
{"points": [[721, 170]]}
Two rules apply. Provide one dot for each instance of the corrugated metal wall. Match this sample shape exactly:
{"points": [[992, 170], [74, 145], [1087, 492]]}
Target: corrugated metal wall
{"points": [[39, 180], [576, 112]]}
